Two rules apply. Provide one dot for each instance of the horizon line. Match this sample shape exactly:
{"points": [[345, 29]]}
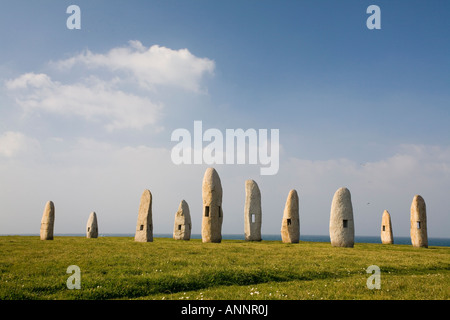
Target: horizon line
{"points": [[162, 235]]}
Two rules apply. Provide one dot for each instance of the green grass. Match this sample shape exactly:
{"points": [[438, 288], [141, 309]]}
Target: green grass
{"points": [[119, 268]]}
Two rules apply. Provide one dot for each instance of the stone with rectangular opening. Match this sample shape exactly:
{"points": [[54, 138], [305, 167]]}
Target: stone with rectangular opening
{"points": [[252, 211], [290, 225], [212, 210], [342, 228], [144, 227], [418, 218], [181, 227], [91, 227], [386, 229]]}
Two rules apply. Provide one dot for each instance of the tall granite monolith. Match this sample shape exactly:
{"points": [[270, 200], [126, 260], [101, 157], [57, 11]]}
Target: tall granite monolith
{"points": [[252, 211], [419, 235], [92, 226], [212, 207], [342, 228], [144, 226], [182, 225], [48, 221], [290, 225], [386, 229]]}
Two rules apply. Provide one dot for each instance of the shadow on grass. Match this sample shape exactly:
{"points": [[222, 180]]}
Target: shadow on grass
{"points": [[136, 286], [142, 287], [172, 284]]}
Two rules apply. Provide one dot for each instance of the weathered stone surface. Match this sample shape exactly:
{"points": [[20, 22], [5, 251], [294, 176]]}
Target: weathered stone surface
{"points": [[48, 221], [144, 226], [386, 229], [92, 226], [212, 207], [290, 225], [252, 211], [342, 228], [182, 226], [419, 235]]}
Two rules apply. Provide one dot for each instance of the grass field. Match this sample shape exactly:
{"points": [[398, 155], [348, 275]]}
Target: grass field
{"points": [[119, 268]]}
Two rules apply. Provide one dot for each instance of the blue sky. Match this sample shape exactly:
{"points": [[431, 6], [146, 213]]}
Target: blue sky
{"points": [[366, 109]]}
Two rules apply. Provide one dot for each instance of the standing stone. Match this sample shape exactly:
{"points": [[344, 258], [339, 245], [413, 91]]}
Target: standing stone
{"points": [[92, 226], [182, 226], [290, 225], [252, 211], [386, 229], [144, 226], [48, 221], [212, 207], [342, 228], [419, 236]]}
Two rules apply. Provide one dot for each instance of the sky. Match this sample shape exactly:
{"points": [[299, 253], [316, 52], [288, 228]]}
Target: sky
{"points": [[87, 115]]}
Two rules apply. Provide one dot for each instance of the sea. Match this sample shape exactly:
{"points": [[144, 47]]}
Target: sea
{"points": [[440, 242]]}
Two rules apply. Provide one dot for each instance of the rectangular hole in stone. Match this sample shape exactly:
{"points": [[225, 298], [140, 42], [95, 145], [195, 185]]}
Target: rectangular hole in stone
{"points": [[141, 227], [207, 211], [179, 227], [288, 222], [253, 218], [418, 224], [220, 212], [345, 223], [89, 229], [384, 228]]}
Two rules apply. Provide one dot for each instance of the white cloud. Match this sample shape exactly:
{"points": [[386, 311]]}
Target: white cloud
{"points": [[149, 67], [29, 80], [98, 101], [111, 98], [13, 144]]}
